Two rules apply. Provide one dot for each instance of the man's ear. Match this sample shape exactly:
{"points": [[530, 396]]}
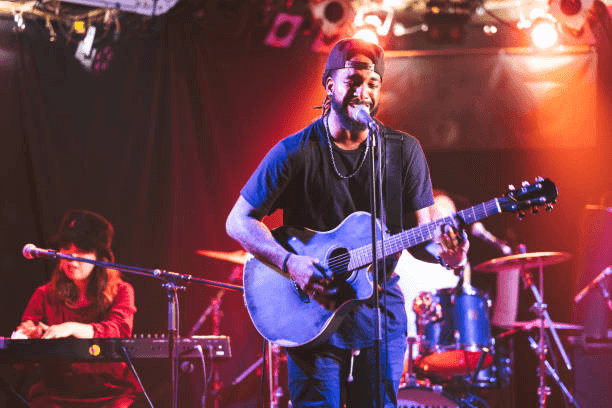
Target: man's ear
{"points": [[329, 85]]}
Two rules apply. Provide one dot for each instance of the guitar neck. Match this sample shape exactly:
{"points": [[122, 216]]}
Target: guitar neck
{"points": [[362, 256]]}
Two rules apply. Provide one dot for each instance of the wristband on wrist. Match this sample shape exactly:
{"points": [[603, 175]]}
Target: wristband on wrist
{"points": [[284, 267]]}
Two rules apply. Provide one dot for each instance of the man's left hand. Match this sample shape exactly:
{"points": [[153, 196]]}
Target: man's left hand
{"points": [[454, 246]]}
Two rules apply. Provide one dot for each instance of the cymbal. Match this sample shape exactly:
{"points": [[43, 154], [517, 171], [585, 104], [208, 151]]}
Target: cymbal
{"points": [[535, 324], [525, 261], [238, 257]]}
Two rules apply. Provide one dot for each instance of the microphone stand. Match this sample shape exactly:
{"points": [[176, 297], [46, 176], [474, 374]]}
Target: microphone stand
{"points": [[606, 295], [375, 184], [173, 282], [599, 281]]}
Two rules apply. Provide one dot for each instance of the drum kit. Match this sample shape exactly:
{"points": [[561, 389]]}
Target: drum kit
{"points": [[458, 362], [458, 356]]}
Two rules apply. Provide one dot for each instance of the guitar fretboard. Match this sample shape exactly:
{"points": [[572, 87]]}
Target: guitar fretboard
{"points": [[362, 256]]}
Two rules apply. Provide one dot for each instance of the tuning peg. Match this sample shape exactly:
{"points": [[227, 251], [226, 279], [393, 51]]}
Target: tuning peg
{"points": [[535, 210], [549, 207], [511, 187], [525, 184], [539, 179], [520, 214]]}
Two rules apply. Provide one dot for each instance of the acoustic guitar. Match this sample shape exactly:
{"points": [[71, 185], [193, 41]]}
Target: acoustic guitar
{"points": [[286, 315]]}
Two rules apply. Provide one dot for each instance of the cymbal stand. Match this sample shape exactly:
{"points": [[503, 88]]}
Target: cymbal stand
{"points": [[215, 302], [274, 358], [541, 310], [273, 355], [216, 318], [214, 308], [410, 378], [555, 375]]}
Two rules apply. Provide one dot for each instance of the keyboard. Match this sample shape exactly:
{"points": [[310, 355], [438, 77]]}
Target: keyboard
{"points": [[17, 350]]}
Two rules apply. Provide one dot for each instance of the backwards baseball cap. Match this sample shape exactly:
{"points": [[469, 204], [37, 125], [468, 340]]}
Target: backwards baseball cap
{"points": [[341, 54]]}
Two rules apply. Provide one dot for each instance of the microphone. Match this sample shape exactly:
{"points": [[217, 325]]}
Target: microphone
{"points": [[594, 282], [30, 251], [360, 114], [479, 231]]}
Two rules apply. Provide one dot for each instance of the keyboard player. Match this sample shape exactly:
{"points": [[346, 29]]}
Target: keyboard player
{"points": [[82, 300]]}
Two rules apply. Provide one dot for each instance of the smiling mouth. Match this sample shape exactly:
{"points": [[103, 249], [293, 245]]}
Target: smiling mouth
{"points": [[358, 103]]}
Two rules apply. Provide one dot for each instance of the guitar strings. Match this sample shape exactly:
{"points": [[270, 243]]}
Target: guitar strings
{"points": [[395, 243]]}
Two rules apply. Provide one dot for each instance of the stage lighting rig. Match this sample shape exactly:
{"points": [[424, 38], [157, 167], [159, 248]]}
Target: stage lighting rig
{"points": [[446, 20]]}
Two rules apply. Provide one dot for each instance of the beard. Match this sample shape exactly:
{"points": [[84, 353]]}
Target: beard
{"points": [[341, 108]]}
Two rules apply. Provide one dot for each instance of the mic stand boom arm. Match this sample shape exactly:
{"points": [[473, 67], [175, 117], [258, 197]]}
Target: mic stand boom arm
{"points": [[173, 282], [153, 273], [598, 281]]}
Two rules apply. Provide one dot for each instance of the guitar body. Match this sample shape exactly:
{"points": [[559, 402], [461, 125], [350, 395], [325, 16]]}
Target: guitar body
{"points": [[284, 314]]}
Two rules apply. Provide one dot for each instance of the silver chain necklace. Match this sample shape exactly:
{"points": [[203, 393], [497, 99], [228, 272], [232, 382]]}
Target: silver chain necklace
{"points": [[331, 153]]}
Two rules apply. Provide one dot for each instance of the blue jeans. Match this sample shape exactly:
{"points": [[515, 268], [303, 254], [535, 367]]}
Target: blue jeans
{"points": [[318, 376]]}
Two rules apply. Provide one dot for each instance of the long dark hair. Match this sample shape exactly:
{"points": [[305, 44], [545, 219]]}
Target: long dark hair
{"points": [[101, 286]]}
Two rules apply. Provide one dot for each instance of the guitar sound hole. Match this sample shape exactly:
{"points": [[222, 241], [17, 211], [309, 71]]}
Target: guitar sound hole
{"points": [[338, 263]]}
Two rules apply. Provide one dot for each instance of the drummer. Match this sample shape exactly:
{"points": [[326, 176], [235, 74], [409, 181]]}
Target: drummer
{"points": [[418, 276]]}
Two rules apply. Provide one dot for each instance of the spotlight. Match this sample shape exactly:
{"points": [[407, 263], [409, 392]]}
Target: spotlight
{"points": [[544, 33], [85, 53], [19, 22], [572, 13], [377, 16], [332, 15], [283, 30], [489, 30]]}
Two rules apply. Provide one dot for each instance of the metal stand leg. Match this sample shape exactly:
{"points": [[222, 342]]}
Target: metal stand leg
{"points": [[555, 375], [274, 360], [540, 309], [410, 376]]}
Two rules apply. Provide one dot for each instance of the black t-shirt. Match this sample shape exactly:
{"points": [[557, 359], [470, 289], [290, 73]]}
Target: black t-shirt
{"points": [[297, 176]]}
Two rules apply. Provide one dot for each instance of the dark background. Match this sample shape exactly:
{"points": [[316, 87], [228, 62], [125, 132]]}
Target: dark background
{"points": [[163, 140]]}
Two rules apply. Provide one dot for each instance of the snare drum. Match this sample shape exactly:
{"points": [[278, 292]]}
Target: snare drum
{"points": [[424, 397], [455, 331]]}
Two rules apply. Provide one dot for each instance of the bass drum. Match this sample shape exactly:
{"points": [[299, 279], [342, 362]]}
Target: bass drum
{"points": [[455, 329], [425, 397]]}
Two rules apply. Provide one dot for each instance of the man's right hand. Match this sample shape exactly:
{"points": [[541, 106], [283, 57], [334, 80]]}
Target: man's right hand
{"points": [[306, 273]]}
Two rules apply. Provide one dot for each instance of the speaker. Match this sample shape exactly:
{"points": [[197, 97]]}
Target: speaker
{"points": [[595, 254], [593, 374]]}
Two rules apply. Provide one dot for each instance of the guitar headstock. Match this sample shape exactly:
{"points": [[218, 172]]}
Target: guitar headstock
{"points": [[542, 193]]}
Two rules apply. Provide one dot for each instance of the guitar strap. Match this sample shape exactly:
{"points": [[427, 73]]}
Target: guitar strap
{"points": [[394, 151]]}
